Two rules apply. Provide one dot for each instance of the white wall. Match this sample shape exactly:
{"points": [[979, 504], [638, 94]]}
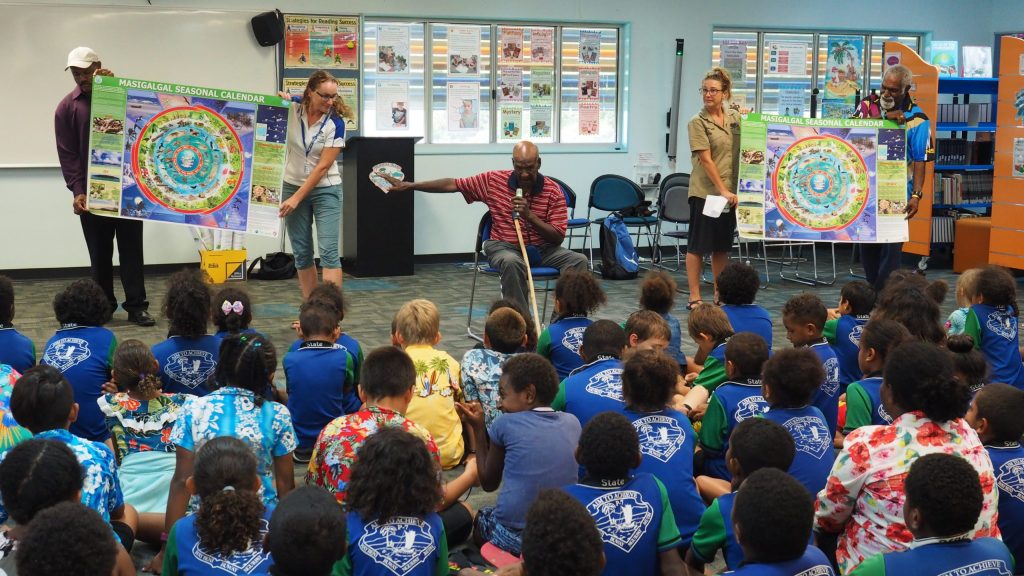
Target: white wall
{"points": [[39, 231]]}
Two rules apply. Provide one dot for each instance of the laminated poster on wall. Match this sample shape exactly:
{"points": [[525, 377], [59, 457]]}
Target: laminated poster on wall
{"points": [[392, 104], [348, 91], [590, 85], [330, 42], [463, 50], [187, 155], [787, 58], [590, 47], [843, 67], [733, 57], [295, 87], [393, 48], [590, 118], [510, 44], [463, 106], [542, 45], [792, 99], [511, 118], [510, 85], [944, 55], [822, 179], [542, 87], [540, 121]]}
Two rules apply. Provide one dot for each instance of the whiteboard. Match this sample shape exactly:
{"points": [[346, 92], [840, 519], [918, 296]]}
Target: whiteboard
{"points": [[211, 48]]}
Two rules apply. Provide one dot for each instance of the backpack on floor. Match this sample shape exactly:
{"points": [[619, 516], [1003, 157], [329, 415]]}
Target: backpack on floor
{"points": [[273, 266], [619, 260]]}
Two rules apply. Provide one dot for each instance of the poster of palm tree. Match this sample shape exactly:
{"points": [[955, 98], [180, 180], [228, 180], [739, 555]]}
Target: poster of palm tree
{"points": [[843, 71]]}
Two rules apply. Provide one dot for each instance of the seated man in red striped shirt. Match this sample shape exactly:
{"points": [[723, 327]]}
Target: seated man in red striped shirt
{"points": [[542, 216]]}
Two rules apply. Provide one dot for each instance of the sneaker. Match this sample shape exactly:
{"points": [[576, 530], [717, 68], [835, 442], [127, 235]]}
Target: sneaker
{"points": [[141, 318]]}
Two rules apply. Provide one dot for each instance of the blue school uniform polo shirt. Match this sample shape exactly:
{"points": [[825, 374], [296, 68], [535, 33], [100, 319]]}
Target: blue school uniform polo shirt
{"points": [[713, 373], [84, 355], [675, 342], [591, 389], [187, 364], [827, 396], [715, 533], [864, 404], [667, 443], [1008, 467], [812, 563], [750, 318], [16, 349], [981, 557], [403, 545], [348, 343], [994, 329], [843, 334], [635, 520], [814, 456], [321, 387], [560, 342], [731, 403], [186, 553]]}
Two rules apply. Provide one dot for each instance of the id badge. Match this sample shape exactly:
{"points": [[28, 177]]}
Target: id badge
{"points": [[307, 169]]}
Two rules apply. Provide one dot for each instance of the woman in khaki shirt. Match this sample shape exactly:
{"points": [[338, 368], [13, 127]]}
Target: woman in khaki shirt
{"points": [[714, 144]]}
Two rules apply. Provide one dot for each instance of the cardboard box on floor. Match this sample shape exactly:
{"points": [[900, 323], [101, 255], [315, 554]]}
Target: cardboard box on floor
{"points": [[220, 266]]}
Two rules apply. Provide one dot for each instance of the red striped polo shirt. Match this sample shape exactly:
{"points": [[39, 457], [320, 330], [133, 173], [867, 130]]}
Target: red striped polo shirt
{"points": [[492, 188]]}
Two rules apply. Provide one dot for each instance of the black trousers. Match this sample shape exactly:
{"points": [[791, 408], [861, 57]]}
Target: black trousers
{"points": [[99, 237]]}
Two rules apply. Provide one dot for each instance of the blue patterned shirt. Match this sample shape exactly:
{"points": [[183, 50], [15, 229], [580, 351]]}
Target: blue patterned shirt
{"points": [[481, 371], [101, 489]]}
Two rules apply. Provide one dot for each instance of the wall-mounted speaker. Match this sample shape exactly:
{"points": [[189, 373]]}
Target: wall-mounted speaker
{"points": [[268, 27]]}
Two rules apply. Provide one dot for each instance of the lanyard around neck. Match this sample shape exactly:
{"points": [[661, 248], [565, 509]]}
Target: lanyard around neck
{"points": [[302, 124]]}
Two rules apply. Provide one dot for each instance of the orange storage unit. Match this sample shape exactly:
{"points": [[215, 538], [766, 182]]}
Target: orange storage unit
{"points": [[970, 247]]}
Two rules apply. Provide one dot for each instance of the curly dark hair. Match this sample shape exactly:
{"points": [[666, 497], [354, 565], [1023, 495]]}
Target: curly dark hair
{"points": [[560, 537], [609, 446], [42, 399], [68, 538], [969, 363], [578, 293], [914, 302], [82, 302], [946, 491], [935, 290], [860, 296], [531, 329], [232, 321], [247, 361], [318, 319], [997, 287], [228, 519], [738, 283], [806, 308], [649, 380], [386, 372], [505, 330], [658, 292], [603, 337], [774, 513], [748, 352], [758, 443], [883, 336], [647, 324], [393, 476], [135, 368], [6, 301], [36, 475], [793, 374], [307, 532], [1002, 405], [187, 304], [527, 369], [330, 294], [920, 377]]}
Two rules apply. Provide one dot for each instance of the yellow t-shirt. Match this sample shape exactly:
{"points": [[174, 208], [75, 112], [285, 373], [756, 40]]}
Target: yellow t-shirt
{"points": [[433, 400]]}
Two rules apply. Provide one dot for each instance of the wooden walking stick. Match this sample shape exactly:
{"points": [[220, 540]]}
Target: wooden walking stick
{"points": [[526, 259]]}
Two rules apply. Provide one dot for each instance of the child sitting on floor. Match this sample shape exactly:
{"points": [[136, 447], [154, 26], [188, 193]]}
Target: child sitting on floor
{"points": [[16, 349], [577, 296], [320, 379], [531, 330], [943, 502], [789, 380], [82, 350], [856, 300], [232, 311], [804, 316], [188, 358], [307, 533], [329, 294], [504, 335], [864, 396], [597, 385], [735, 400], [528, 448], [771, 517], [755, 443], [646, 330], [995, 414], [992, 322], [966, 290], [969, 364], [44, 549], [738, 284], [710, 329], [658, 294], [632, 511]]}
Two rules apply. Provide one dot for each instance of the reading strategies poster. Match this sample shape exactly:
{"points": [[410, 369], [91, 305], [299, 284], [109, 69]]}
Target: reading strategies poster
{"points": [[187, 155]]}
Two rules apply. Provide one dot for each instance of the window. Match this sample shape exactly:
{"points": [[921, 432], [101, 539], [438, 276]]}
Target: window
{"points": [[393, 79]]}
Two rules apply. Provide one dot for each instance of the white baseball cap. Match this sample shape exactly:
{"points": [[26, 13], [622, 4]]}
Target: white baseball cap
{"points": [[82, 57]]}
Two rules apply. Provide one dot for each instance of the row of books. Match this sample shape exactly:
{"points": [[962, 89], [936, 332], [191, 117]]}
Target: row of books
{"points": [[971, 114], [963, 187], [958, 151]]}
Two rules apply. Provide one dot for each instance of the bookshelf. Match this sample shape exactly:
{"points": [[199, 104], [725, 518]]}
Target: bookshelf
{"points": [[965, 145]]}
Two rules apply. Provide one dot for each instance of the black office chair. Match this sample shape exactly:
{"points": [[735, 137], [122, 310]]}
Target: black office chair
{"points": [[673, 208], [614, 193]]}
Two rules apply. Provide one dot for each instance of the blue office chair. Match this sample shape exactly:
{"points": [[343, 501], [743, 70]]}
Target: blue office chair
{"points": [[540, 273], [574, 224], [614, 193]]}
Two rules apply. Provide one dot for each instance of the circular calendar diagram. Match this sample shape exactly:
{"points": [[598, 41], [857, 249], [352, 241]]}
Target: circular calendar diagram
{"points": [[189, 160], [821, 183]]}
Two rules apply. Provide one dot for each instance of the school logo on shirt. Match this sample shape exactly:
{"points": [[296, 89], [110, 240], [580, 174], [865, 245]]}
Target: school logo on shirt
{"points": [[855, 333], [607, 384], [810, 435], [246, 562], [660, 436], [622, 517], [1010, 478], [992, 567], [573, 338], [816, 571], [883, 414], [66, 353], [1002, 324], [749, 407], [400, 544], [190, 368], [831, 384]]}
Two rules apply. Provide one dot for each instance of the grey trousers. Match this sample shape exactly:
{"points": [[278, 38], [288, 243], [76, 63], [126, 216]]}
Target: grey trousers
{"points": [[508, 259]]}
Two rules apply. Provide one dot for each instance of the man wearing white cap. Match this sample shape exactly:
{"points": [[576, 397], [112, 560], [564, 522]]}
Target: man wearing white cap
{"points": [[71, 124]]}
